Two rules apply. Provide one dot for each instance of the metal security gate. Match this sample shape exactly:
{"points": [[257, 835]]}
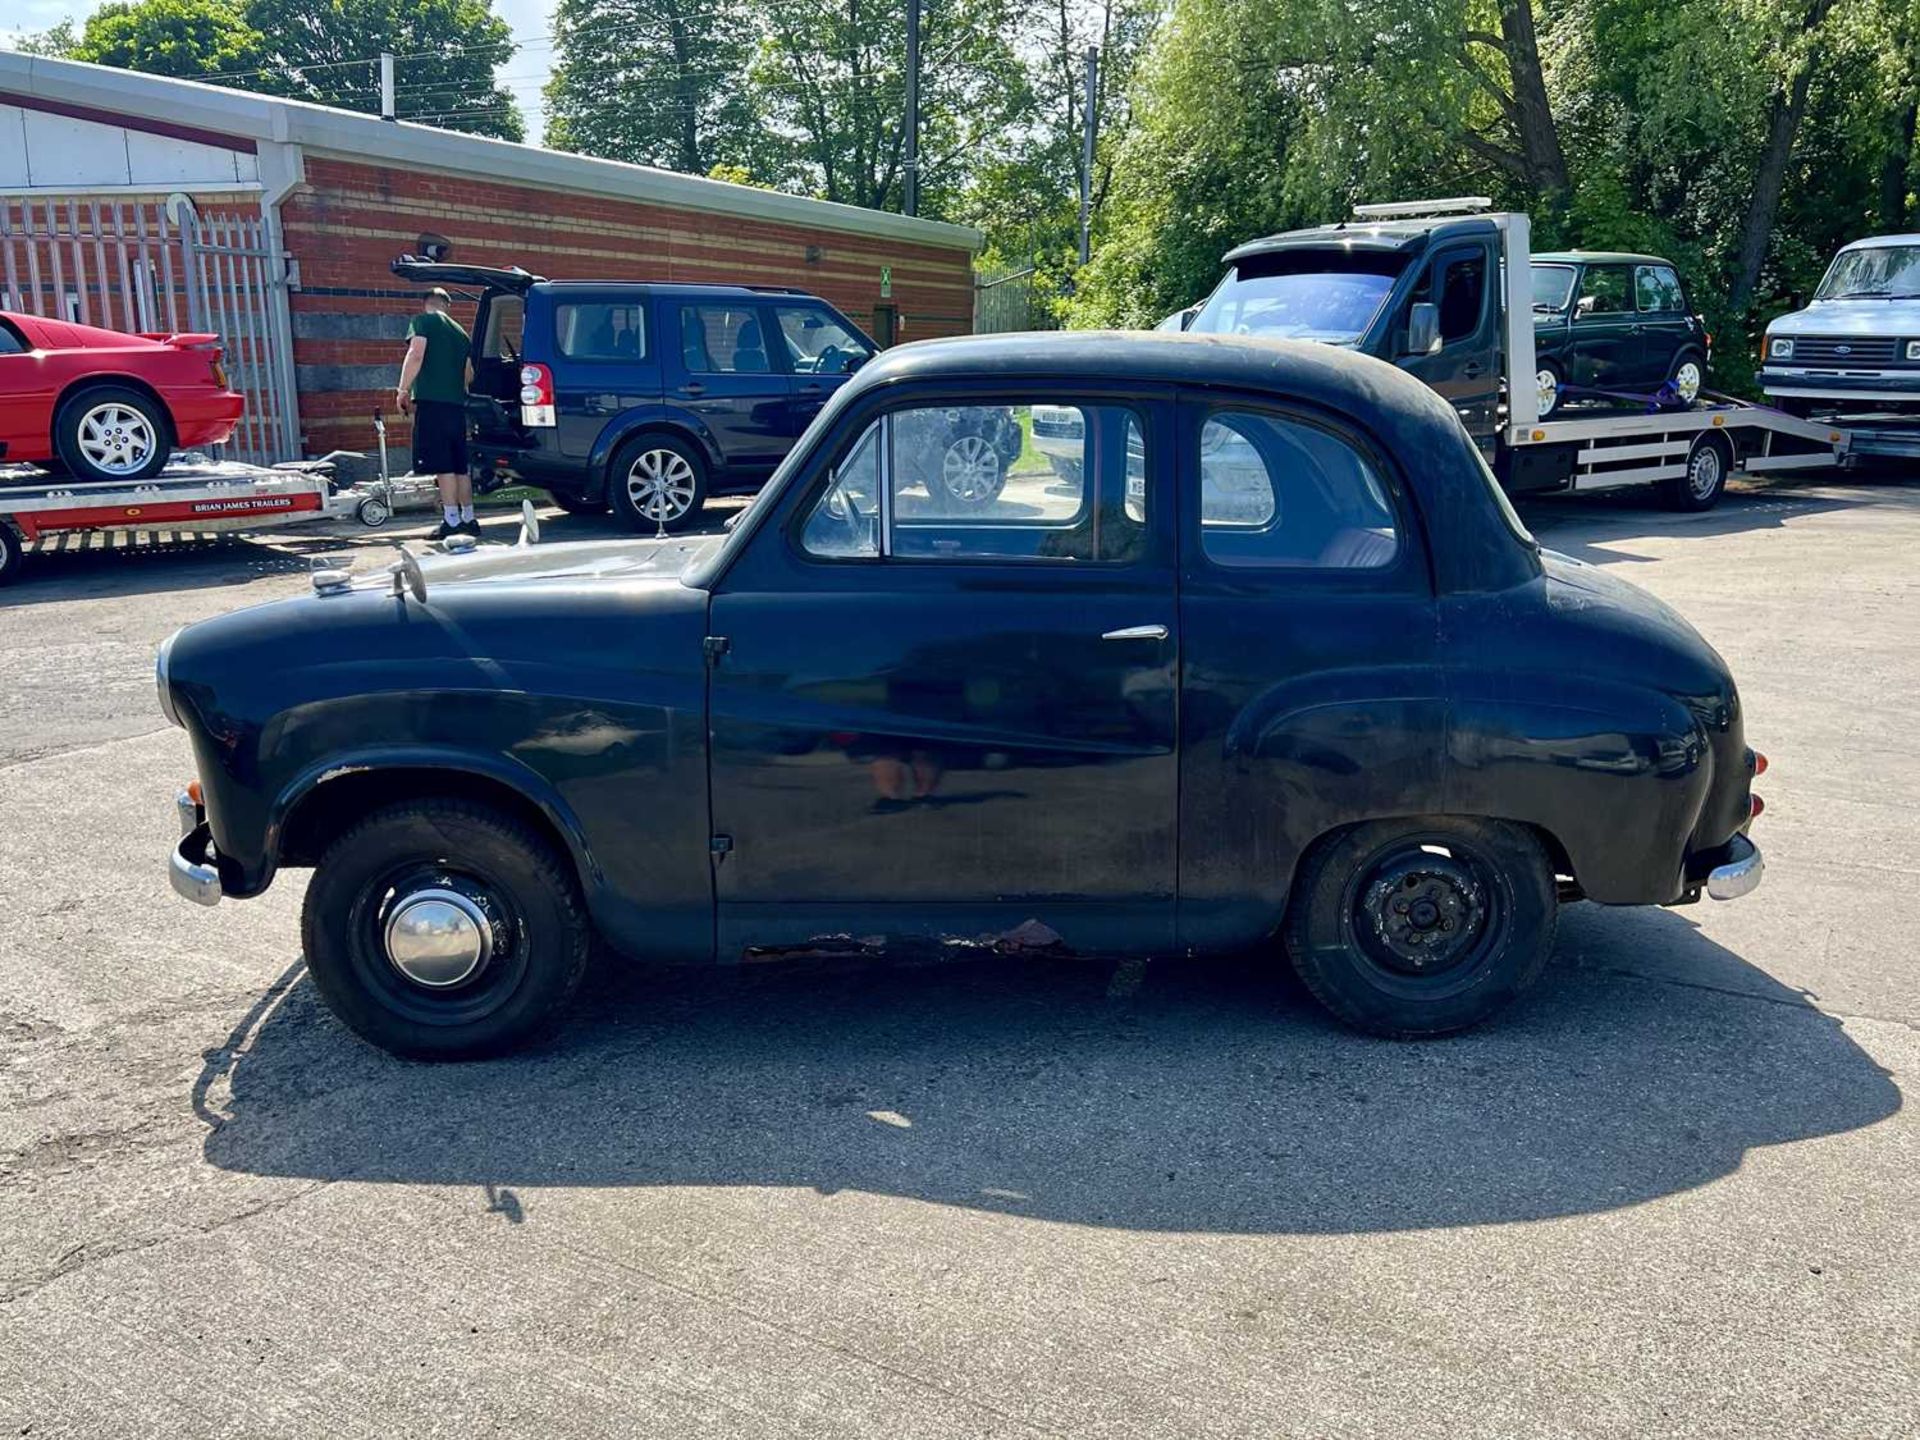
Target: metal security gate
{"points": [[164, 266]]}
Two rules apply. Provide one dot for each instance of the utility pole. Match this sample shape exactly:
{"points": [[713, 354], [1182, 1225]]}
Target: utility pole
{"points": [[1086, 149], [911, 179], [386, 86]]}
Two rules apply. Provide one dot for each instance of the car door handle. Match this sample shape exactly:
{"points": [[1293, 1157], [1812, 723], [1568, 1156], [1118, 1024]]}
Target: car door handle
{"points": [[1471, 369], [812, 389], [693, 387], [1137, 632]]}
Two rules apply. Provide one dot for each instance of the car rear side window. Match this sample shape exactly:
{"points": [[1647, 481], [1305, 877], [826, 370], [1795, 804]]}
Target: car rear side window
{"points": [[723, 340], [10, 341], [1278, 493], [1050, 483], [604, 330], [1658, 290]]}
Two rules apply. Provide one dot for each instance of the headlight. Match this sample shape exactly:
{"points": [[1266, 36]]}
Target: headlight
{"points": [[1780, 349], [160, 681]]}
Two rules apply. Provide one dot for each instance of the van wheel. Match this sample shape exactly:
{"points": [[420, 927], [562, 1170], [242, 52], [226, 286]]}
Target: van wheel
{"points": [[108, 432], [445, 930], [1411, 928], [1708, 464], [657, 483]]}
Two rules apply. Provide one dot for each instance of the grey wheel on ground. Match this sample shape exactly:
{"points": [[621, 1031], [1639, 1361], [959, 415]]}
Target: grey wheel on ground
{"points": [[445, 930], [373, 512], [10, 554], [1547, 385], [108, 432], [1709, 463], [576, 504], [657, 482], [1423, 926], [1689, 375]]}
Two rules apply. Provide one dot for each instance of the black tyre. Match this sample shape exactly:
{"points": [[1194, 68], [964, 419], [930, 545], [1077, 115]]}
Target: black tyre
{"points": [[1547, 382], [1410, 928], [445, 930], [10, 556], [1709, 463], [1688, 376], [657, 482], [108, 432], [577, 504]]}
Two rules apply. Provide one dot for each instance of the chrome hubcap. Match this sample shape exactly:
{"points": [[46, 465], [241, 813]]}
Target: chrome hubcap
{"points": [[438, 938], [1548, 386], [970, 470], [116, 438], [1686, 380], [660, 484]]}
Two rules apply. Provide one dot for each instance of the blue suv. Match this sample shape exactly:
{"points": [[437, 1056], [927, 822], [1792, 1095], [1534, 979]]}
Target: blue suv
{"points": [[643, 397]]}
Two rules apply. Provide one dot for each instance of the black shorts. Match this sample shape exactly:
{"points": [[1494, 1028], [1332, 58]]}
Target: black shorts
{"points": [[439, 438]]}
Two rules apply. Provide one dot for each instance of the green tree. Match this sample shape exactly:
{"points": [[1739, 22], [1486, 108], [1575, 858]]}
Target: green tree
{"points": [[656, 82], [56, 41], [183, 38]]}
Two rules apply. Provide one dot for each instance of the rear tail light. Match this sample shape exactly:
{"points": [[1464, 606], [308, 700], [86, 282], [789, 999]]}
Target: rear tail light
{"points": [[1758, 806], [536, 396], [219, 370], [1759, 763]]}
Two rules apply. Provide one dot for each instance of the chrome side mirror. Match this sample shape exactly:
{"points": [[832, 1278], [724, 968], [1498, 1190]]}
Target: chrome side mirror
{"points": [[1423, 328]]}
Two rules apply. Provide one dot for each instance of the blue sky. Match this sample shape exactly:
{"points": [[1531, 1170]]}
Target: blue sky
{"points": [[524, 75]]}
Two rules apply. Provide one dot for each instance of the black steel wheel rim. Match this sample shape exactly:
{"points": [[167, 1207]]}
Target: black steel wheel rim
{"points": [[1426, 912], [491, 985]]}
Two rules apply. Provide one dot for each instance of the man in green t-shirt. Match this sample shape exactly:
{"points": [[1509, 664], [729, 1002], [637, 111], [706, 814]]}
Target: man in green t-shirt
{"points": [[433, 388]]}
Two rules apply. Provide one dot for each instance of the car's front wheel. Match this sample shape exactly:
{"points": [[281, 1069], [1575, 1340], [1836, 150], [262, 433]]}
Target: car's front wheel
{"points": [[1546, 382], [445, 930], [1418, 927], [108, 432], [658, 483]]}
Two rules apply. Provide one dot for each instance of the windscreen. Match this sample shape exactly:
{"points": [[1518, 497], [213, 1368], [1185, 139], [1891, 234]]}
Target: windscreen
{"points": [[1329, 296], [1552, 286], [1879, 272]]}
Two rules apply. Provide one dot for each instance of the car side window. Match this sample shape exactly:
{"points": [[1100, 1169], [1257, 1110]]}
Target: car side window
{"points": [[1047, 483], [601, 330], [818, 344], [1463, 294], [1657, 288], [10, 341], [1603, 291], [1278, 493], [723, 340]]}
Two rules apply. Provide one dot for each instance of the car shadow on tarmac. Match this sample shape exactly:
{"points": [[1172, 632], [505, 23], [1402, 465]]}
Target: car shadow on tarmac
{"points": [[1195, 1096]]}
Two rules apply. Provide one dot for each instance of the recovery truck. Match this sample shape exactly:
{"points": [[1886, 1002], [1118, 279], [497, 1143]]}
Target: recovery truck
{"points": [[1444, 290]]}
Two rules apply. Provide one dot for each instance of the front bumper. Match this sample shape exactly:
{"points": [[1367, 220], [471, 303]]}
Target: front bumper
{"points": [[191, 869], [1739, 874], [1790, 383]]}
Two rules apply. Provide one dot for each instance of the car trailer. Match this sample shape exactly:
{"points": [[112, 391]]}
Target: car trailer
{"points": [[192, 497]]}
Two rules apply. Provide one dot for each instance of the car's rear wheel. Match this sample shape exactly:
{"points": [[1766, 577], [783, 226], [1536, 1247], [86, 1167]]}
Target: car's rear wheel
{"points": [[1410, 928], [445, 930], [1689, 376], [658, 483], [1709, 463], [108, 432], [10, 555]]}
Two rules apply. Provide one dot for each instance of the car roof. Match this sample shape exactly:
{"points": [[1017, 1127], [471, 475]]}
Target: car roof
{"points": [[1599, 257], [1871, 242], [1383, 236]]}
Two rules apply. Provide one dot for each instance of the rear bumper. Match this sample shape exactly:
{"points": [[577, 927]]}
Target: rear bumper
{"points": [[205, 419], [1739, 874]]}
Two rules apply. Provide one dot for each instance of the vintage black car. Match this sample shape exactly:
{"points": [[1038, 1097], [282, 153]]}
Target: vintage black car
{"points": [[1275, 667]]}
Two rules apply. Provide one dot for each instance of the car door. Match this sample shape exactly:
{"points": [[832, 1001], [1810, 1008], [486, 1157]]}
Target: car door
{"points": [[606, 361], [1606, 329], [733, 380], [1465, 368], [950, 727], [1311, 693], [822, 351]]}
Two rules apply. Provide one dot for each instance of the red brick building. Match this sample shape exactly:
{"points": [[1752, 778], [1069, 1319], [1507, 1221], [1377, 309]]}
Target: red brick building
{"points": [[285, 217]]}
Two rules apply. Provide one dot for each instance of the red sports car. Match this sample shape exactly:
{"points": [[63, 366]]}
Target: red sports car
{"points": [[105, 405]]}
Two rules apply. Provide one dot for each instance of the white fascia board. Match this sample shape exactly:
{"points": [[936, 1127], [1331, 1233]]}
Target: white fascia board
{"points": [[366, 138]]}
